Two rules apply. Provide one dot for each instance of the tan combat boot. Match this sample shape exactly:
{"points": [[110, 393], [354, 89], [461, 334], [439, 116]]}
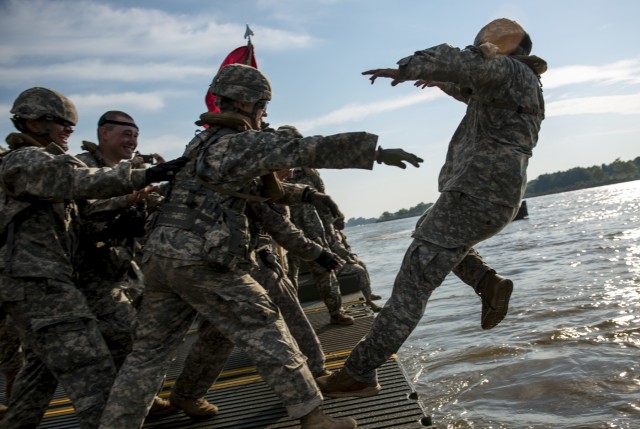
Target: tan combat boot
{"points": [[373, 306], [342, 319], [197, 409], [317, 419], [160, 408], [495, 292], [342, 385]]}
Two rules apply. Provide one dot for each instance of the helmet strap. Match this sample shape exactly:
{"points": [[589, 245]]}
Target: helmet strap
{"points": [[252, 116]]}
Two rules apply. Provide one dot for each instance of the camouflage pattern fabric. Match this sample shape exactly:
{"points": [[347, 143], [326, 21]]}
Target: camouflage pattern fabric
{"points": [[241, 311], [37, 102], [203, 365], [489, 152], [184, 277], [44, 246], [274, 220], [423, 269], [209, 353], [11, 354], [105, 254], [353, 266], [481, 184], [308, 219], [56, 327], [62, 344]]}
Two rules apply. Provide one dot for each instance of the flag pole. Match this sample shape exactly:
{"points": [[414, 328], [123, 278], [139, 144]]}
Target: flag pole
{"points": [[247, 35]]}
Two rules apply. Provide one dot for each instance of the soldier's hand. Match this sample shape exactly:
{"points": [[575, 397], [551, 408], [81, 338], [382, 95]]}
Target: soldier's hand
{"points": [[329, 261], [321, 201], [166, 171], [388, 73], [397, 158]]}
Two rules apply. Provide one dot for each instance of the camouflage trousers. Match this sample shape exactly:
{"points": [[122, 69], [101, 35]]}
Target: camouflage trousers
{"points": [[326, 283], [114, 312], [11, 355], [231, 301], [424, 268], [209, 353], [360, 271], [62, 344]]}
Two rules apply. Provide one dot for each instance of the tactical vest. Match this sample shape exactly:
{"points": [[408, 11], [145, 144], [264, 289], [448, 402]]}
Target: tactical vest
{"points": [[209, 211]]}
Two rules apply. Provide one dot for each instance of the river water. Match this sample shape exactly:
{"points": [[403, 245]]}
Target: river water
{"points": [[568, 353]]}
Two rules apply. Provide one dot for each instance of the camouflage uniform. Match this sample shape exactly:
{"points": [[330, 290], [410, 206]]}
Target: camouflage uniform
{"points": [[107, 238], [481, 184], [309, 220], [57, 329], [354, 266], [210, 352], [11, 355], [197, 261]]}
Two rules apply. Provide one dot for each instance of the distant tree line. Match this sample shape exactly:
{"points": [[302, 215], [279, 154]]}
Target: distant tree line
{"points": [[581, 177], [554, 183], [386, 216]]}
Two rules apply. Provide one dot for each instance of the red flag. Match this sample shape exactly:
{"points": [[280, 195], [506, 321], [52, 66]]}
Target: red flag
{"points": [[243, 55]]}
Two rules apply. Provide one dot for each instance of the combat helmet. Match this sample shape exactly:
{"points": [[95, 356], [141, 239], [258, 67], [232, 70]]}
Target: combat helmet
{"points": [[241, 83], [38, 102], [503, 37]]}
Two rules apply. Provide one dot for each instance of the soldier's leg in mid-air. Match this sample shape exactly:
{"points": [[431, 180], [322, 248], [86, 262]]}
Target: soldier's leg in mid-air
{"points": [[423, 269]]}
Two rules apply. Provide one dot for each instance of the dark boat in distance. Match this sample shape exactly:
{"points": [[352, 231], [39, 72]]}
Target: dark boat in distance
{"points": [[523, 212]]}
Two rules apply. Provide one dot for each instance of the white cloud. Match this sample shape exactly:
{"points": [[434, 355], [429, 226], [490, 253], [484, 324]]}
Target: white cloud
{"points": [[617, 104], [627, 71], [105, 42], [100, 30], [124, 100], [354, 112], [101, 71]]}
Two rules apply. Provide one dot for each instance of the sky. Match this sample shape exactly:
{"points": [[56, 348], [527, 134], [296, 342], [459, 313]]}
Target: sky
{"points": [[155, 60]]}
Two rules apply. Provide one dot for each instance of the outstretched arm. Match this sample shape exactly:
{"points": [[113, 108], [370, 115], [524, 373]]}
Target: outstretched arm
{"points": [[388, 73]]}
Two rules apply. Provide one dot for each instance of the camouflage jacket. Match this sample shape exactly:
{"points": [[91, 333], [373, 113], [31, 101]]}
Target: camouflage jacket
{"points": [[305, 216], [108, 228], [207, 221], [273, 220], [489, 152], [38, 218]]}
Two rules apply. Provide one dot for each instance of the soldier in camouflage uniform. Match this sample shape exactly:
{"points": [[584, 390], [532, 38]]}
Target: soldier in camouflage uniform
{"points": [[38, 230], [311, 221], [109, 229], [353, 266], [270, 226], [481, 184], [197, 257]]}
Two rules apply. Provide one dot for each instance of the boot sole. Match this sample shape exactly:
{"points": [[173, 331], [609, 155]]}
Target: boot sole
{"points": [[500, 303], [362, 393]]}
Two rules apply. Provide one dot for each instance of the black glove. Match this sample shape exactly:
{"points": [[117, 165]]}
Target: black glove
{"points": [[130, 223], [397, 157], [166, 171], [329, 261], [321, 201]]}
